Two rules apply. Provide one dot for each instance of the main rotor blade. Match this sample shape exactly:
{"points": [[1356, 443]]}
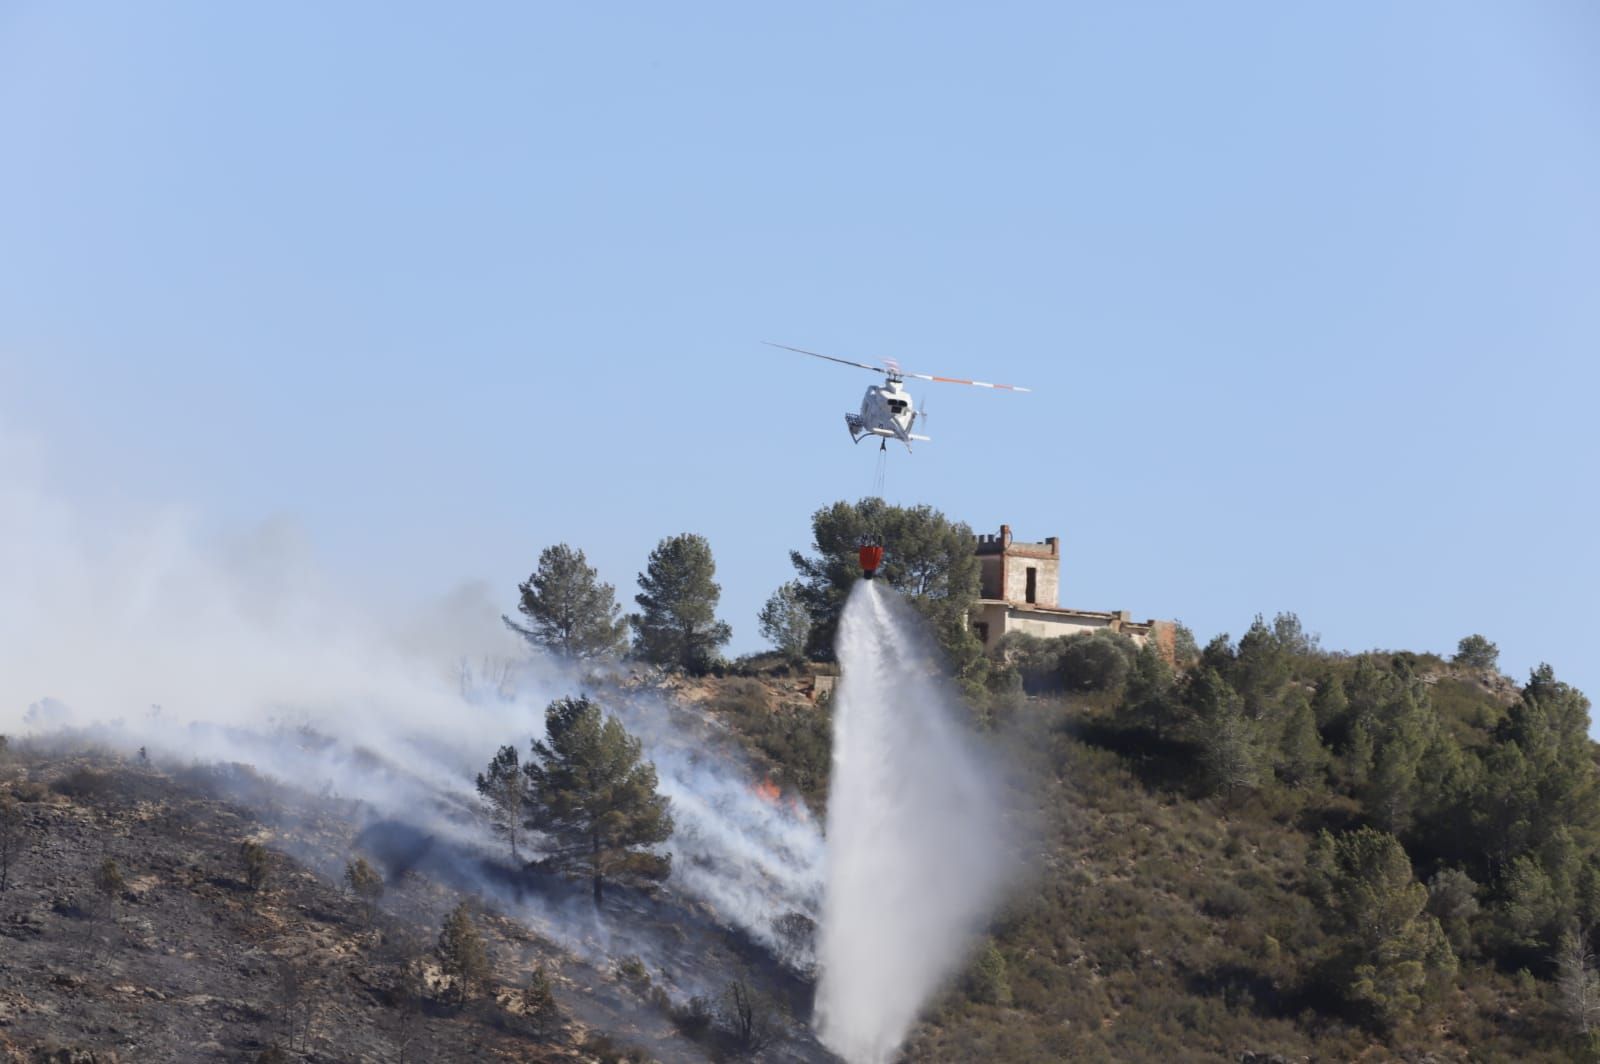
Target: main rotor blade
{"points": [[959, 380], [830, 358], [891, 366]]}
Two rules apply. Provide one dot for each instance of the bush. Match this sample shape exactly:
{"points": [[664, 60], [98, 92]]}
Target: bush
{"points": [[1036, 661], [986, 980], [1226, 901], [253, 858], [30, 791], [632, 970], [605, 1049], [1096, 661], [694, 1017], [108, 879], [1086, 661], [83, 783]]}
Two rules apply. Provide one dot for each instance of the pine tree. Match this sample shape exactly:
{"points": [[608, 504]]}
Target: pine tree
{"points": [[595, 797], [1401, 731], [1586, 904], [1330, 706], [1389, 946], [1301, 755], [1577, 982], [462, 953], [1369, 687], [1550, 725], [1359, 753], [1147, 699], [677, 620], [570, 612], [539, 1003], [1476, 652], [1537, 776], [505, 789], [1218, 655], [785, 623], [109, 882], [927, 557], [1453, 901], [365, 883], [1529, 912], [1292, 636], [1230, 745], [1260, 670]]}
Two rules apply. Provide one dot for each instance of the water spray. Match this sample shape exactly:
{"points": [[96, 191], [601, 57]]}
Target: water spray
{"points": [[916, 854]]}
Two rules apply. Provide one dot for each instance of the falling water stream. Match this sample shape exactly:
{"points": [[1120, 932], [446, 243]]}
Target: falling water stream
{"points": [[916, 853]]}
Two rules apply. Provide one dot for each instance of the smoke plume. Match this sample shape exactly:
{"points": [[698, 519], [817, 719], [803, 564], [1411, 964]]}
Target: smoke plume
{"points": [[916, 856], [143, 628]]}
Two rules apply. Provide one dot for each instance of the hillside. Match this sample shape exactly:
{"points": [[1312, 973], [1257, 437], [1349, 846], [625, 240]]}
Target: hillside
{"points": [[1185, 898], [1167, 918], [180, 958]]}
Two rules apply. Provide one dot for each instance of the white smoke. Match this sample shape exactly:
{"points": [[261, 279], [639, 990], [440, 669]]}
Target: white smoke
{"points": [[142, 629], [752, 858], [916, 850]]}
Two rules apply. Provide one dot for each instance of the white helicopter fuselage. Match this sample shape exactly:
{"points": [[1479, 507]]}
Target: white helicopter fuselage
{"points": [[887, 411]]}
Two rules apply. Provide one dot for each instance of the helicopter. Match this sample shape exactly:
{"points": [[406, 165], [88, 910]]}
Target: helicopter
{"points": [[887, 410]]}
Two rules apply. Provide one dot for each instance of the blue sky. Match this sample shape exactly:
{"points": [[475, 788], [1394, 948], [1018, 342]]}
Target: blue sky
{"points": [[1307, 295]]}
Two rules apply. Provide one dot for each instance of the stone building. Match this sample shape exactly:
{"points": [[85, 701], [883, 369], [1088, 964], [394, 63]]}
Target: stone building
{"points": [[1021, 592]]}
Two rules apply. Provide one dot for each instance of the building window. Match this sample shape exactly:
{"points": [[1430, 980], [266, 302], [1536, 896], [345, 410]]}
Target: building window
{"points": [[1033, 584], [982, 628]]}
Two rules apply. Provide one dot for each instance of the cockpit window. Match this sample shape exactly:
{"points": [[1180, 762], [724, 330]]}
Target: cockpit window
{"points": [[897, 406]]}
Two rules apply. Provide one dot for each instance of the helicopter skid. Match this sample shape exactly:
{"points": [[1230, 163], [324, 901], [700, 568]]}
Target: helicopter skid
{"points": [[859, 431]]}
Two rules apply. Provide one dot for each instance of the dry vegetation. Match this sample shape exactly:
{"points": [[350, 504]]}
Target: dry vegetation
{"points": [[1171, 916]]}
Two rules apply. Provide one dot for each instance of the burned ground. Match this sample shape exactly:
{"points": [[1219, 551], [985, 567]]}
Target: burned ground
{"points": [[129, 931]]}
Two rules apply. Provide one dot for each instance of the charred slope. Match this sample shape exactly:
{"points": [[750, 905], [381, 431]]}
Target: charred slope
{"points": [[130, 930]]}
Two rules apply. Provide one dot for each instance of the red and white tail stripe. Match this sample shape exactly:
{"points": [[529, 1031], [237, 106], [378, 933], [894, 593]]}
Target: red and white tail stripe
{"points": [[975, 384]]}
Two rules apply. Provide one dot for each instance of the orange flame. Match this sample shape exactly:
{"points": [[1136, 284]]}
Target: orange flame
{"points": [[768, 792]]}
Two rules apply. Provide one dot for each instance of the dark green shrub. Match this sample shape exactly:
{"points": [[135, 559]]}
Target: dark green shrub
{"points": [[1096, 661]]}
